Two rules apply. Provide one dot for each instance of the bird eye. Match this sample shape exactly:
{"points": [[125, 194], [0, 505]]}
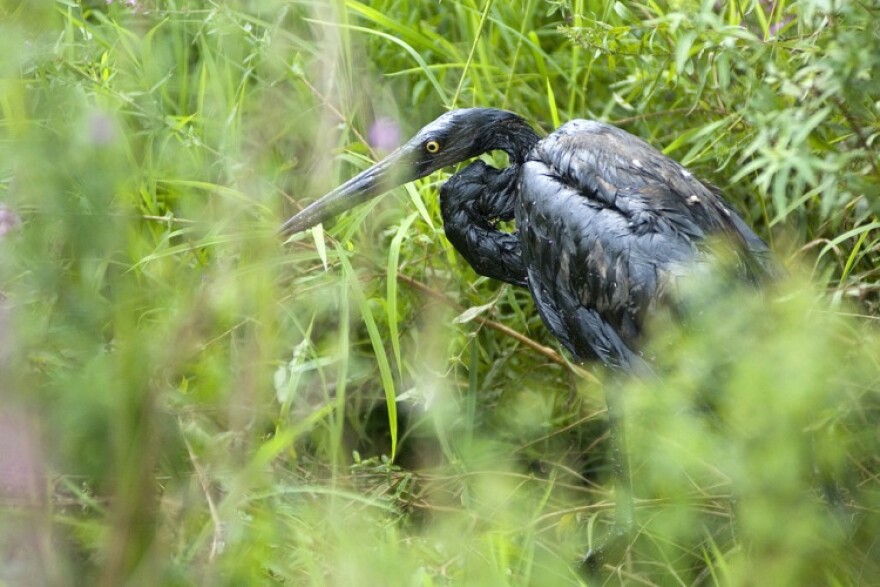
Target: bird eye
{"points": [[432, 146]]}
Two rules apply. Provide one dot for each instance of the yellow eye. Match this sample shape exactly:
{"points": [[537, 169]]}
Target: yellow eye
{"points": [[432, 146]]}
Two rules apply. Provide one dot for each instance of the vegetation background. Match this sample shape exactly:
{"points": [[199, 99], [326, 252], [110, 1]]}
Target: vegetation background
{"points": [[188, 400]]}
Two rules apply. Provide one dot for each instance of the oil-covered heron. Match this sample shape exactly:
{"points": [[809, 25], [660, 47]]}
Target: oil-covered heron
{"points": [[605, 224]]}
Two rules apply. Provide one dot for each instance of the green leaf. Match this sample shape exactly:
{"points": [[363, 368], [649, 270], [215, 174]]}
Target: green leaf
{"points": [[376, 341], [472, 313], [391, 299], [683, 50]]}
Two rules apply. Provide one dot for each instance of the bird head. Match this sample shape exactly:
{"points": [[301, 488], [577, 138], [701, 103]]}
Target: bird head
{"points": [[454, 137]]}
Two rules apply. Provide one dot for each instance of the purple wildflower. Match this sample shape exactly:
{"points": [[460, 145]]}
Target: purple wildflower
{"points": [[21, 460], [9, 220], [102, 131], [384, 134]]}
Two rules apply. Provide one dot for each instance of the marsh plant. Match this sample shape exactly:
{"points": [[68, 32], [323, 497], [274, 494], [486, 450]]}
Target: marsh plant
{"points": [[188, 399]]}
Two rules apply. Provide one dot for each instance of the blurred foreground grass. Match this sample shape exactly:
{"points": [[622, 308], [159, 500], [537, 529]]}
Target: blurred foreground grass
{"points": [[186, 400]]}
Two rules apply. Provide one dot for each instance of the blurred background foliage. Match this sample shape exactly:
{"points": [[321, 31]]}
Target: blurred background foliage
{"points": [[188, 400]]}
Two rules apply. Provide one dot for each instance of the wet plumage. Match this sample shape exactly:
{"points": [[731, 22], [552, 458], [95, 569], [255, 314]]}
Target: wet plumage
{"points": [[605, 223], [606, 226]]}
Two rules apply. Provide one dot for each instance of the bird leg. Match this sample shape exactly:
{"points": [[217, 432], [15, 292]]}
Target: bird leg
{"points": [[619, 461], [471, 203], [610, 550]]}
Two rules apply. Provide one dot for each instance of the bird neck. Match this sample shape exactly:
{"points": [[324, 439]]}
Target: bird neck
{"points": [[513, 136]]}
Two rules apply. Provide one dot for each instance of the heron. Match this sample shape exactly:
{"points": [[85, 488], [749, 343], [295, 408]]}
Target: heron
{"points": [[605, 227]]}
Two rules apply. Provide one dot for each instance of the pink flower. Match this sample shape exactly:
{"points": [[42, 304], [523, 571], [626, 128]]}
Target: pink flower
{"points": [[21, 460], [9, 221], [384, 134], [102, 130]]}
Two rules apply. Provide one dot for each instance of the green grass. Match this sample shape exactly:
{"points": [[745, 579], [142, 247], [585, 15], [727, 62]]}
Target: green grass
{"points": [[188, 400]]}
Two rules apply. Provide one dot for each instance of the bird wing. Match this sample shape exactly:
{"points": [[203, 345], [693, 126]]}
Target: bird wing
{"points": [[607, 225], [620, 170]]}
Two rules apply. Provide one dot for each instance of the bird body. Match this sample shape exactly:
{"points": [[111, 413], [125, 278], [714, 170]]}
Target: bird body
{"points": [[605, 223]]}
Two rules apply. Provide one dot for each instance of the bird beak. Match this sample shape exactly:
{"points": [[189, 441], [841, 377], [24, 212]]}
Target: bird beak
{"points": [[396, 169]]}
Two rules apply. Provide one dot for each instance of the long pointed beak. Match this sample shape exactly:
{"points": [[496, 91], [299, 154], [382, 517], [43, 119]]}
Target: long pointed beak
{"points": [[396, 169]]}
